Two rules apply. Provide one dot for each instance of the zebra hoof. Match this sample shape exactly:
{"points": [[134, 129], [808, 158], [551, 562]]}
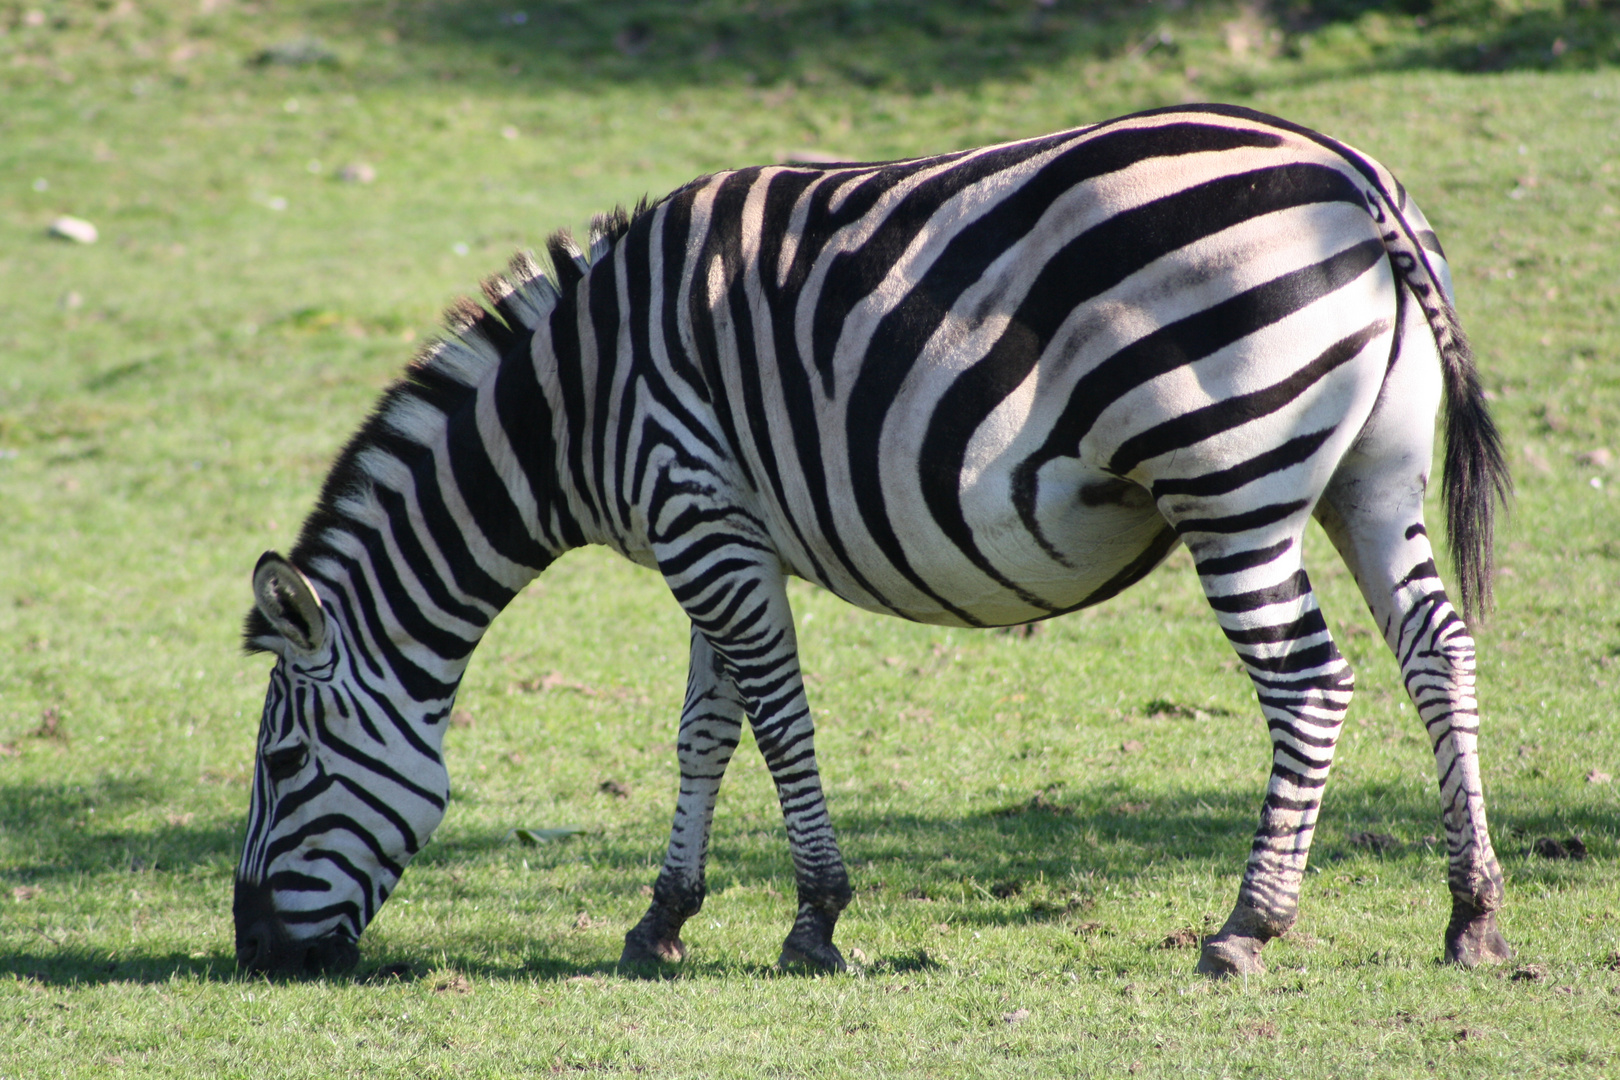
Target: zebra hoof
{"points": [[1222, 958], [1472, 938], [823, 956], [650, 952]]}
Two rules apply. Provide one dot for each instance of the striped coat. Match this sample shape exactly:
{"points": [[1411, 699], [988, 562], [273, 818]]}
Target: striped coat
{"points": [[977, 389]]}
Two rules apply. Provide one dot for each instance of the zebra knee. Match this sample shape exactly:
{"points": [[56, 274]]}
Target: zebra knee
{"points": [[679, 895]]}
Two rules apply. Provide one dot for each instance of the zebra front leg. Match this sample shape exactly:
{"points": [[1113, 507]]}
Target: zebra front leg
{"points": [[764, 661], [1265, 605], [711, 725], [741, 606]]}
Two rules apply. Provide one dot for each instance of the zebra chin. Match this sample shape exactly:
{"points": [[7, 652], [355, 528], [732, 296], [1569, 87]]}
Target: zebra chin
{"points": [[264, 945]]}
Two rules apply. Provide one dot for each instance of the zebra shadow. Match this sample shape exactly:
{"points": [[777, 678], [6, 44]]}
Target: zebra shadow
{"points": [[1045, 857]]}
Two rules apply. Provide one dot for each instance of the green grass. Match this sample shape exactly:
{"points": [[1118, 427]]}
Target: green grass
{"points": [[171, 396]]}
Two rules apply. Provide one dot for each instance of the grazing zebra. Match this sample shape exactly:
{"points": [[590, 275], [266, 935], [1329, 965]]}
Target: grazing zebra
{"points": [[974, 390]]}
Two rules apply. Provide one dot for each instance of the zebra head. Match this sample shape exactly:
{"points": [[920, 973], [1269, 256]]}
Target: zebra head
{"points": [[343, 792]]}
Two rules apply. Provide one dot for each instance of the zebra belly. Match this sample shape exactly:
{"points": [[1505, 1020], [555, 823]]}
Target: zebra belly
{"points": [[1097, 535]]}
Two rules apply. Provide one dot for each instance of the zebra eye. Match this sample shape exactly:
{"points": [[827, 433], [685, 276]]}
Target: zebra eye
{"points": [[285, 762]]}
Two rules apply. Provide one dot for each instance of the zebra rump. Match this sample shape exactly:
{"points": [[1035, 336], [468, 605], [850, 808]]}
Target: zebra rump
{"points": [[977, 389]]}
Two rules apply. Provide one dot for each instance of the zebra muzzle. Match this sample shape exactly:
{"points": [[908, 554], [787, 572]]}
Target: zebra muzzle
{"points": [[264, 946]]}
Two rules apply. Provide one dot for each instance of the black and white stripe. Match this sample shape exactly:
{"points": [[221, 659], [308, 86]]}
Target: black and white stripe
{"points": [[978, 389]]}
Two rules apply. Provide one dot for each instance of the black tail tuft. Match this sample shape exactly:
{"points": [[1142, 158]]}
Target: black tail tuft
{"points": [[1475, 477]]}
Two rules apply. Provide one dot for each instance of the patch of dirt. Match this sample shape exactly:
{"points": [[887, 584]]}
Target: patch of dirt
{"points": [[452, 982], [1256, 1030], [1530, 973], [1014, 1018], [50, 726], [1129, 808], [25, 892], [1548, 848], [1132, 746], [1185, 938], [461, 718], [1005, 890], [614, 788], [1086, 929], [1023, 631]]}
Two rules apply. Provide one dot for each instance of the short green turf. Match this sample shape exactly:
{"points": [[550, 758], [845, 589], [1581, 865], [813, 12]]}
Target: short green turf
{"points": [[1035, 826]]}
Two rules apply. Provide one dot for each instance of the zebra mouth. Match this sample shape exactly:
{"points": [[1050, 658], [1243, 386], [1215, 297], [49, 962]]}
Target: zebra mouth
{"points": [[263, 945], [259, 952]]}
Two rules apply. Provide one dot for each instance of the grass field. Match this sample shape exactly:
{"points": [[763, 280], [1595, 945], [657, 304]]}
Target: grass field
{"points": [[1032, 823]]}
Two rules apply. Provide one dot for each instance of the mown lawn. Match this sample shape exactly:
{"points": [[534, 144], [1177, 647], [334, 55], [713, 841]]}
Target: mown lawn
{"points": [[1033, 824]]}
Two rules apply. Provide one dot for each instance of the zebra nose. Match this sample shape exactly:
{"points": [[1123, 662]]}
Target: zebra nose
{"points": [[254, 912], [254, 947]]}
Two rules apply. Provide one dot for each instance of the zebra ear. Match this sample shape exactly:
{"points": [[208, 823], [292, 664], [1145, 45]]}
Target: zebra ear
{"points": [[285, 598]]}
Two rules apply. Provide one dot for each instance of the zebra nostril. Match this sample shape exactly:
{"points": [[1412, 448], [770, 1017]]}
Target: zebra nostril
{"points": [[253, 947]]}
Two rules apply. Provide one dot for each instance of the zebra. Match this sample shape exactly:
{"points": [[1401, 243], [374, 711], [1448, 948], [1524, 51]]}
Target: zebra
{"points": [[977, 389]]}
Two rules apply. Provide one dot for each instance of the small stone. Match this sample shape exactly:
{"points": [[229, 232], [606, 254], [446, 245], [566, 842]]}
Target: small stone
{"points": [[357, 173], [78, 230]]}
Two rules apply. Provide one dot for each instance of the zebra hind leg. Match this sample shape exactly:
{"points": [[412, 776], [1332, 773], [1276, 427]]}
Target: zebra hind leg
{"points": [[1382, 538], [1263, 600], [711, 725]]}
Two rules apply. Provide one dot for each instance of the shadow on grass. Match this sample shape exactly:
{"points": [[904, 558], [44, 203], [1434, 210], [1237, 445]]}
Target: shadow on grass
{"points": [[54, 831], [1019, 863], [918, 44]]}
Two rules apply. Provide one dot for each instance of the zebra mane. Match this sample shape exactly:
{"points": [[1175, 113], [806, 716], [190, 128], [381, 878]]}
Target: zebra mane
{"points": [[445, 375]]}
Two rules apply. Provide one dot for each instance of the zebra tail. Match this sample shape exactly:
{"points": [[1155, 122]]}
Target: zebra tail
{"points": [[1475, 475], [1474, 478]]}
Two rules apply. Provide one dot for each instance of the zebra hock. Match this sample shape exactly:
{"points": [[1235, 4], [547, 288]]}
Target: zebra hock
{"points": [[974, 390]]}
